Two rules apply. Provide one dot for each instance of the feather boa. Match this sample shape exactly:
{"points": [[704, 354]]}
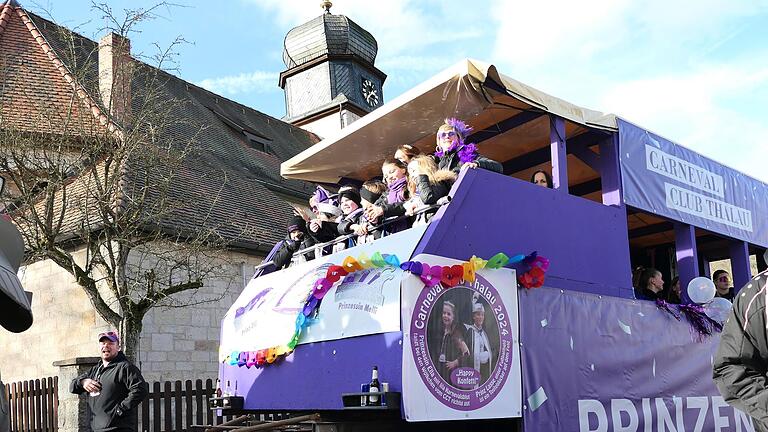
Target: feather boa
{"points": [[467, 152]]}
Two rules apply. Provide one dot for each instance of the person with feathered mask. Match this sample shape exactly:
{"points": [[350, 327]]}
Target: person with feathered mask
{"points": [[452, 152]]}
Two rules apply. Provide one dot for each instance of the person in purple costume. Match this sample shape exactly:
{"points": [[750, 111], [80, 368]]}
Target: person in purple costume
{"points": [[391, 203], [452, 152]]}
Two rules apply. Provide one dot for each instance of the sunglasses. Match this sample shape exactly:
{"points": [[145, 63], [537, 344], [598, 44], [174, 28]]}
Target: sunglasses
{"points": [[446, 134], [723, 279], [108, 334]]}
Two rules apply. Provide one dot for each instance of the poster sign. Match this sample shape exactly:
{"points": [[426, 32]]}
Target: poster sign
{"points": [[667, 179], [366, 302], [461, 356], [600, 363]]}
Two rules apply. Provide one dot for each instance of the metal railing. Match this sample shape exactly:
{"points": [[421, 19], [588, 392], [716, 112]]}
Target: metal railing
{"points": [[319, 248]]}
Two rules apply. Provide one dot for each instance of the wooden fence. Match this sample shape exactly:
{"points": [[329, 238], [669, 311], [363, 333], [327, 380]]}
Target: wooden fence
{"points": [[170, 407], [34, 405], [173, 407]]}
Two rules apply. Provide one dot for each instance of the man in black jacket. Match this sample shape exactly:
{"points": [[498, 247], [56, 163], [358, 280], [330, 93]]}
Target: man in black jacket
{"points": [[115, 388], [741, 363]]}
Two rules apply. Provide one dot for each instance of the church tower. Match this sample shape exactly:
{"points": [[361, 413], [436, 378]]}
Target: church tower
{"points": [[330, 80]]}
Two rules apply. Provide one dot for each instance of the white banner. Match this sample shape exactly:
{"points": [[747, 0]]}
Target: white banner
{"points": [[366, 302], [461, 358]]}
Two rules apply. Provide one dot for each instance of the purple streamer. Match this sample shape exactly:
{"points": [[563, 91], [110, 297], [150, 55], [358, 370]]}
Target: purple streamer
{"points": [[701, 324], [666, 307]]}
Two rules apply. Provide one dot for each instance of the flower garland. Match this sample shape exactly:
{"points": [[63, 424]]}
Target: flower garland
{"points": [[535, 267]]}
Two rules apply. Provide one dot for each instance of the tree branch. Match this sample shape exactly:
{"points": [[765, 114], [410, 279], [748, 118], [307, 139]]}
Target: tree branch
{"points": [[65, 260]]}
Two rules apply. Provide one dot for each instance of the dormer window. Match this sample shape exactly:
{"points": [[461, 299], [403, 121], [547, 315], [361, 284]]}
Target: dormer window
{"points": [[250, 137], [258, 142]]}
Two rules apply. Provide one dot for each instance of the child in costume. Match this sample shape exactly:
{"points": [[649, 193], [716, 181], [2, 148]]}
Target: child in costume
{"points": [[427, 185], [352, 213], [395, 175]]}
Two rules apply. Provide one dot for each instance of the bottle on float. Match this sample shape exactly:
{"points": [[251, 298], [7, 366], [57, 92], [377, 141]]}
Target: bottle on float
{"points": [[374, 388]]}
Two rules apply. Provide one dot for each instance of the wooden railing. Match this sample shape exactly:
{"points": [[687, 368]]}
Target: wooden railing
{"points": [[33, 405], [176, 407], [172, 406]]}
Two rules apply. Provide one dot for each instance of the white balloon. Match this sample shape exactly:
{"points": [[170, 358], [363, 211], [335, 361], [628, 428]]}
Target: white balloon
{"points": [[701, 290], [718, 309]]}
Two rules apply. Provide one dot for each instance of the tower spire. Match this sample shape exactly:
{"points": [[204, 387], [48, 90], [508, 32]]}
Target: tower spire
{"points": [[326, 4]]}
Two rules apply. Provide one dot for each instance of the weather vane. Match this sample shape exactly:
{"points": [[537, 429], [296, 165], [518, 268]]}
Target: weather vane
{"points": [[326, 4]]}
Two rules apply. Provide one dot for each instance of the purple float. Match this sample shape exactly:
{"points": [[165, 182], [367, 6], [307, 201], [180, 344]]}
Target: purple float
{"points": [[582, 354]]}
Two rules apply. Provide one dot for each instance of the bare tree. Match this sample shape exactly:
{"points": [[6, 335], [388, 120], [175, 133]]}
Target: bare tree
{"points": [[100, 185]]}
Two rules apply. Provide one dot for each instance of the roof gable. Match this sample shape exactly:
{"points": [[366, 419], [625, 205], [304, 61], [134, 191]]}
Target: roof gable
{"points": [[37, 87]]}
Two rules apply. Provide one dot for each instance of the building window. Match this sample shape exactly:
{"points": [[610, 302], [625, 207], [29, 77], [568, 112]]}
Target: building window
{"points": [[249, 137]]}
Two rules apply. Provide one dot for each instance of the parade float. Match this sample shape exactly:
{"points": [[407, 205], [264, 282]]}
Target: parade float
{"points": [[545, 273]]}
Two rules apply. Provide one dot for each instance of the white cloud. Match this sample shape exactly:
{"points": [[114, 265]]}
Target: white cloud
{"points": [[550, 32], [402, 28], [672, 67], [690, 109], [258, 82]]}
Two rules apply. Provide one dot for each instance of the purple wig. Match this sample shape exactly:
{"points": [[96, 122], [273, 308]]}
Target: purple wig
{"points": [[467, 152]]}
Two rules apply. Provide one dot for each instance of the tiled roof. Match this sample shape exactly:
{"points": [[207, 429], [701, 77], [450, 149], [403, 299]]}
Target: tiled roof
{"points": [[228, 184], [27, 57]]}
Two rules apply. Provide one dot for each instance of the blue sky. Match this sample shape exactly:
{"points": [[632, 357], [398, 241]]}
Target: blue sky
{"points": [[695, 72]]}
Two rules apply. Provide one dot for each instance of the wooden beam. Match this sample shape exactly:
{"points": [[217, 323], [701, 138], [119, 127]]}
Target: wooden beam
{"points": [[587, 156], [503, 126], [539, 156], [651, 229], [586, 188]]}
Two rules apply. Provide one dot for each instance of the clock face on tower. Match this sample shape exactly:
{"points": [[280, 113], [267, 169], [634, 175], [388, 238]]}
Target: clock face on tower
{"points": [[370, 92]]}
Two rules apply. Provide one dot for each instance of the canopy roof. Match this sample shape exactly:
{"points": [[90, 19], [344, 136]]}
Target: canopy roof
{"points": [[507, 111]]}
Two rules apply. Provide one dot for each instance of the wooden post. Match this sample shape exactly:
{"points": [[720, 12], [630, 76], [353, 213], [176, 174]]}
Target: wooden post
{"points": [[559, 154], [742, 270], [610, 171], [686, 254]]}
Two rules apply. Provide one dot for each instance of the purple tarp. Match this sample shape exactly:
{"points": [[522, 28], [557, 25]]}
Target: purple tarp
{"points": [[599, 363]]}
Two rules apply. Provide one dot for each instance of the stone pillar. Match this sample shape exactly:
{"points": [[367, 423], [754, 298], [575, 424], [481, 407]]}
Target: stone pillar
{"points": [[73, 416]]}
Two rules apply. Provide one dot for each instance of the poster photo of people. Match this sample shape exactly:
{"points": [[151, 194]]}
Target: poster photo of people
{"points": [[463, 338]]}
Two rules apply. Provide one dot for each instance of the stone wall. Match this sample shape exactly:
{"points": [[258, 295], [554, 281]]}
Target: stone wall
{"points": [[176, 343]]}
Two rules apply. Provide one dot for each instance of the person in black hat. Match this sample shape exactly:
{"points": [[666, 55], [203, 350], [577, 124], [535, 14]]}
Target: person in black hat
{"points": [[115, 388], [369, 194], [353, 217], [295, 240]]}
